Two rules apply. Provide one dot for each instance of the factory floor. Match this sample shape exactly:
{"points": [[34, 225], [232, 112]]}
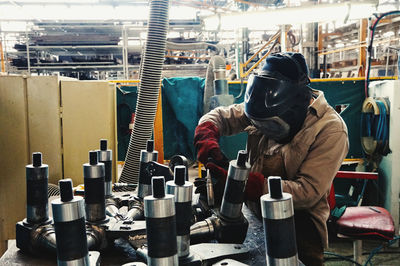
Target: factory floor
{"points": [[387, 255]]}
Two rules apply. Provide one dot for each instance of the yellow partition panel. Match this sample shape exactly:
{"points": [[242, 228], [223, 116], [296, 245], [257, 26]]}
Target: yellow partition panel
{"points": [[44, 120], [88, 115], [14, 154]]}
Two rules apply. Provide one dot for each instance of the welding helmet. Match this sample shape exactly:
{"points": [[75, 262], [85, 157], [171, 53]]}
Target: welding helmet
{"points": [[277, 100]]}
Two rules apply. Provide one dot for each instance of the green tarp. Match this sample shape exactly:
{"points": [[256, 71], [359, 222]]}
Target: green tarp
{"points": [[182, 106]]}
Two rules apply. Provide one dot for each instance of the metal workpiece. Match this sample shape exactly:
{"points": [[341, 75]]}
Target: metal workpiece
{"points": [[105, 156], [146, 156], [291, 261], [277, 209], [278, 221], [76, 262], [70, 228], [35, 239], [179, 187], [94, 176], [232, 201], [203, 230], [69, 210], [159, 212], [210, 190], [93, 169], [159, 207], [44, 237], [182, 191], [183, 244], [37, 176], [112, 209], [149, 154], [135, 209]]}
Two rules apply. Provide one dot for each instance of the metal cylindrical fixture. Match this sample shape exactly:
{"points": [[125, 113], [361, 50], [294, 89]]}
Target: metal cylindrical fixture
{"points": [[159, 211], [37, 177], [279, 229], [93, 176], [221, 87], [69, 224], [105, 156], [182, 191], [232, 201], [146, 156]]}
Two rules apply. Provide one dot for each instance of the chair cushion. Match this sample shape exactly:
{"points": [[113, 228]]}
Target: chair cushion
{"points": [[366, 222]]}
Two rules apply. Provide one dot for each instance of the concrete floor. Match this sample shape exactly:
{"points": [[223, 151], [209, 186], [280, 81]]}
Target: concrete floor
{"points": [[388, 255]]}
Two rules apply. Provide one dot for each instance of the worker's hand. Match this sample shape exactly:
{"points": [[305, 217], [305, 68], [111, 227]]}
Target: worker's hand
{"points": [[206, 138], [254, 187]]}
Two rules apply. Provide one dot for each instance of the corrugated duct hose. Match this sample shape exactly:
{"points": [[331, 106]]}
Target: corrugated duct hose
{"points": [[150, 75]]}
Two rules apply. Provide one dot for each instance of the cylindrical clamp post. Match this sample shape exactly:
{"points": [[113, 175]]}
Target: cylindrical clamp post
{"points": [[182, 191], [232, 201], [69, 223], [37, 177], [279, 229], [93, 175], [159, 211], [105, 156], [146, 156]]}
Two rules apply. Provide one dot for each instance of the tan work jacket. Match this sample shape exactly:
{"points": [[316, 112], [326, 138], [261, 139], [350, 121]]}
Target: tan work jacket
{"points": [[310, 160]]}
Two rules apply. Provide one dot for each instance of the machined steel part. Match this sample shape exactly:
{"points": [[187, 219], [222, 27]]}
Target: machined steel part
{"points": [[182, 191], [94, 176], [70, 228], [232, 201], [203, 230], [159, 211], [150, 75], [112, 209], [105, 156], [146, 156], [37, 176], [135, 209], [278, 221]]}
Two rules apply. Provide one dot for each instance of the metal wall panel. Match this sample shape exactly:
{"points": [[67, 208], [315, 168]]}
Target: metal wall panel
{"points": [[89, 114], [14, 154], [45, 122]]}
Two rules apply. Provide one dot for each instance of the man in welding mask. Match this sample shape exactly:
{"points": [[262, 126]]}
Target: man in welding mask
{"points": [[293, 133]]}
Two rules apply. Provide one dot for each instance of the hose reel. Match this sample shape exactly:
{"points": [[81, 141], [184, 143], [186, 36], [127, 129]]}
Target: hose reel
{"points": [[375, 126]]}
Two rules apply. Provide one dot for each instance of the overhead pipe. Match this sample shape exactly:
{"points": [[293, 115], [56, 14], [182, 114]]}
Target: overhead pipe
{"points": [[150, 75]]}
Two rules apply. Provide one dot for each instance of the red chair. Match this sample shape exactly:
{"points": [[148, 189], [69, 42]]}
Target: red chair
{"points": [[362, 222]]}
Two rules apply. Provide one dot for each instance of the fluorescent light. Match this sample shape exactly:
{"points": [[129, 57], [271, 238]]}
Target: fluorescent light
{"points": [[292, 15]]}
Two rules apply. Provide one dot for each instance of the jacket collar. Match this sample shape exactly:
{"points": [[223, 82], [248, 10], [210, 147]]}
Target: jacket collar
{"points": [[319, 105]]}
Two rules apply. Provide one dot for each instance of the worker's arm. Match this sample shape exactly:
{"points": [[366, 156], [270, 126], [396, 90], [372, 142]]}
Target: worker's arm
{"points": [[316, 173], [229, 120]]}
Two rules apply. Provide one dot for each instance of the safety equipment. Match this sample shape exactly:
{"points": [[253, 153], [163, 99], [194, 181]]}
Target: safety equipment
{"points": [[276, 103], [254, 187], [206, 138]]}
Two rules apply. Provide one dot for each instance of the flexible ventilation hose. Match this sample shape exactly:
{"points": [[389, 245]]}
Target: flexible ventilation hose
{"points": [[150, 76], [375, 126]]}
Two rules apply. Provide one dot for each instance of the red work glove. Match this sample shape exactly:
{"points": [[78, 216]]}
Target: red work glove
{"points": [[206, 138], [254, 187]]}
